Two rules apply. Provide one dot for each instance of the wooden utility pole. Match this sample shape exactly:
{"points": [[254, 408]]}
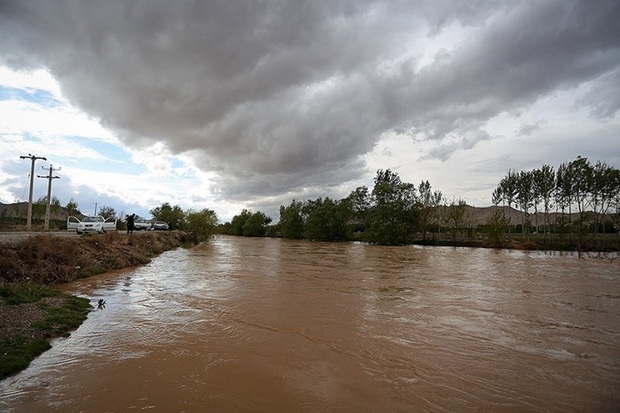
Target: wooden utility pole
{"points": [[49, 195], [33, 159]]}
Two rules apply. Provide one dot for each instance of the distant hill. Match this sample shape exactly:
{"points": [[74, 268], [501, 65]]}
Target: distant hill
{"points": [[20, 209], [480, 216]]}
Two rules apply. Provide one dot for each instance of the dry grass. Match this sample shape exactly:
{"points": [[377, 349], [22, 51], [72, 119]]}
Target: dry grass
{"points": [[49, 260]]}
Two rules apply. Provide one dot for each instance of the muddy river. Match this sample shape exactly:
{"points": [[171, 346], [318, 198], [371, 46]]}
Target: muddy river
{"points": [[269, 325]]}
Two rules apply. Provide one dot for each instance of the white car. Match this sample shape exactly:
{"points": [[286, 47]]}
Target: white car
{"points": [[141, 224], [159, 226], [95, 224]]}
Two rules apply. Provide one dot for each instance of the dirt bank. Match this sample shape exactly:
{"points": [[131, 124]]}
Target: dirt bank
{"points": [[31, 312], [50, 259]]}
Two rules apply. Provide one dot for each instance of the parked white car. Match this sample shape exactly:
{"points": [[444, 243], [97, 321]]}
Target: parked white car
{"points": [[94, 224], [159, 226], [72, 223], [141, 224]]}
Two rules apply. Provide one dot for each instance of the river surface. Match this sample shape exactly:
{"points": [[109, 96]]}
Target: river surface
{"points": [[270, 325]]}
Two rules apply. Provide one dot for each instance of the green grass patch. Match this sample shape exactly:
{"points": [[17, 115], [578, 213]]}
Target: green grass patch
{"points": [[19, 293], [16, 354], [60, 316], [60, 320]]}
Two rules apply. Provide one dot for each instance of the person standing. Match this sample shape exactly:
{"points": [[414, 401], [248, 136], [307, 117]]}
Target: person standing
{"points": [[130, 223]]}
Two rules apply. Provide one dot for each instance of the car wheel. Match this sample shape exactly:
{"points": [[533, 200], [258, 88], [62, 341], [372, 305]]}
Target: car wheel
{"points": [[78, 232]]}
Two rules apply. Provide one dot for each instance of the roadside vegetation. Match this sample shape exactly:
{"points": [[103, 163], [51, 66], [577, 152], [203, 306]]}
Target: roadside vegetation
{"points": [[575, 208]]}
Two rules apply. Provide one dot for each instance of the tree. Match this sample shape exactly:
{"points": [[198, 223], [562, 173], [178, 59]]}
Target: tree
{"points": [[327, 220], [72, 208], [581, 173], [254, 226], [496, 226], [358, 203], [107, 212], [525, 198], [291, 220], [39, 206], [201, 225], [545, 185], [564, 196], [592, 191], [55, 207], [392, 214], [238, 221], [605, 189], [506, 191], [456, 217], [429, 202], [173, 215]]}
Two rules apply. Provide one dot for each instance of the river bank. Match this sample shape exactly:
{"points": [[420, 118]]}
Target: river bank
{"points": [[32, 312]]}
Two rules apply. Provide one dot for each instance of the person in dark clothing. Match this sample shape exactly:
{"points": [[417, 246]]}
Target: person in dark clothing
{"points": [[130, 223]]}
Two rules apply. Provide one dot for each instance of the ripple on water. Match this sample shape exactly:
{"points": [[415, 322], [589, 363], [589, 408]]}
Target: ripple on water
{"points": [[243, 324]]}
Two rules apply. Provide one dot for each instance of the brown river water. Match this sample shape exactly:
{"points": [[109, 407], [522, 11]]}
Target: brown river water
{"points": [[270, 325]]}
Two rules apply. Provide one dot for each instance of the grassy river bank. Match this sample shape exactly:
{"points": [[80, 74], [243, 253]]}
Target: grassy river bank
{"points": [[32, 312]]}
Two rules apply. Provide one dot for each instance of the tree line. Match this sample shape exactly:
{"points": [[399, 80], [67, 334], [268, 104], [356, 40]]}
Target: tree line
{"points": [[391, 213], [576, 198], [567, 204], [200, 224]]}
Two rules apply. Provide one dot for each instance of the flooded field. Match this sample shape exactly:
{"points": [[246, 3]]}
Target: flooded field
{"points": [[266, 325]]}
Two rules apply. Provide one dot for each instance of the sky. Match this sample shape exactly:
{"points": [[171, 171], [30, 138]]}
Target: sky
{"points": [[232, 105]]}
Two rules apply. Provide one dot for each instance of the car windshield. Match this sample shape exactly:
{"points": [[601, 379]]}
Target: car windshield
{"points": [[92, 219]]}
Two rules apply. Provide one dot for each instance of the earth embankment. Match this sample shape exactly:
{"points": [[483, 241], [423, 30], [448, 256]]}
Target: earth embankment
{"points": [[32, 313], [50, 259]]}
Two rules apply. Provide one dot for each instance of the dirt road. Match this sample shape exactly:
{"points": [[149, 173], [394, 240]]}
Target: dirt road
{"points": [[18, 236]]}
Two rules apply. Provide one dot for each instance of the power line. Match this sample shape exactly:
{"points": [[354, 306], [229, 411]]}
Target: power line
{"points": [[11, 145], [18, 142]]}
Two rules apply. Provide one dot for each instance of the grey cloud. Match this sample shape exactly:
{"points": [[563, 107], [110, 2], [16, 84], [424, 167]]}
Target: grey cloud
{"points": [[528, 129], [530, 53], [282, 96], [465, 142], [604, 96]]}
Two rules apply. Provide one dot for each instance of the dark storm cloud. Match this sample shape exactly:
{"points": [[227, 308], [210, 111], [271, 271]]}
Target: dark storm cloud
{"points": [[282, 96]]}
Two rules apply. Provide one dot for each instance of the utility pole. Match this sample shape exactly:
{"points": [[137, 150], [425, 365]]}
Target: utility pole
{"points": [[33, 159], [49, 195]]}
